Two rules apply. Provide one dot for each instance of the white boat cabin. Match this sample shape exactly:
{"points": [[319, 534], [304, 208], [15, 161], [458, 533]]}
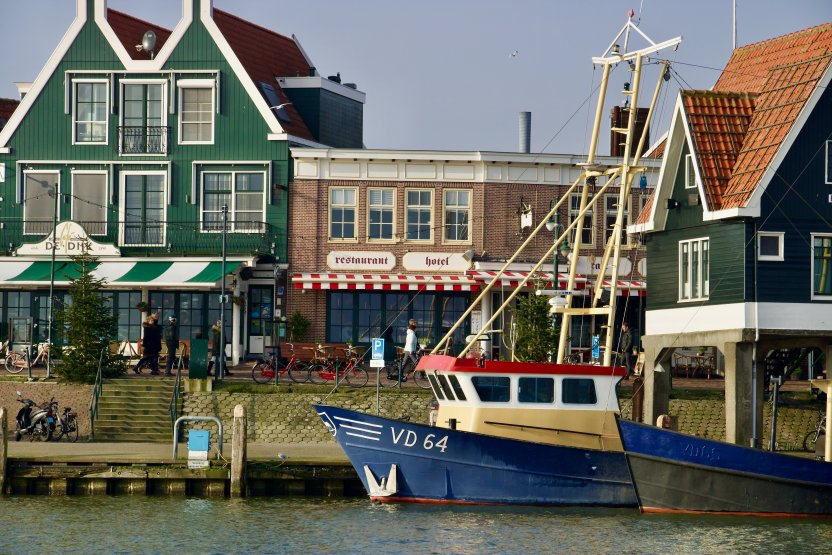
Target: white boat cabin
{"points": [[561, 404]]}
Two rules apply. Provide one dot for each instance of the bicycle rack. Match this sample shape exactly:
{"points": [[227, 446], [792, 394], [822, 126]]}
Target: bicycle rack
{"points": [[200, 419]]}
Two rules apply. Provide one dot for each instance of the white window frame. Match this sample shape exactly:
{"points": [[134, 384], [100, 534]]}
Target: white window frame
{"points": [[330, 206], [407, 206], [816, 296], [75, 83], [122, 205], [611, 214], [828, 167], [779, 235], [74, 199], [690, 172], [184, 84], [370, 208], [57, 175], [573, 215], [445, 240], [685, 290], [164, 122], [232, 209]]}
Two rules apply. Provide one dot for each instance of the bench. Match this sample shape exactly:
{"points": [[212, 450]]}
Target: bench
{"points": [[306, 352]]}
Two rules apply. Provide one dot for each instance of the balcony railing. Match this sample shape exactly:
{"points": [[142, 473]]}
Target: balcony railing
{"points": [[143, 140], [156, 238]]}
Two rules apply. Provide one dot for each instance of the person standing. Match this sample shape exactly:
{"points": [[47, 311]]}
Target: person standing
{"points": [[171, 342], [153, 343], [625, 345], [217, 350]]}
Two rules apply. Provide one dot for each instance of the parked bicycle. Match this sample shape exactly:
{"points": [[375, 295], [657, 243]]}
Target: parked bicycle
{"points": [[16, 360], [67, 425], [264, 370], [396, 373], [811, 438], [352, 371]]}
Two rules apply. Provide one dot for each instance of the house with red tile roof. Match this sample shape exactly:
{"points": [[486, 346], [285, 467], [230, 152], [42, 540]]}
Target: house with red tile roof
{"points": [[169, 151], [739, 228]]}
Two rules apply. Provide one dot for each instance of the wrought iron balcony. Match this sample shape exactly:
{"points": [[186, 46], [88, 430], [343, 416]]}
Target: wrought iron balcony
{"points": [[138, 238], [143, 140]]}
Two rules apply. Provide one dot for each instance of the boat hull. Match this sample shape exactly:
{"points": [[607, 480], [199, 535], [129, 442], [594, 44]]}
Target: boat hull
{"points": [[675, 472], [448, 466]]}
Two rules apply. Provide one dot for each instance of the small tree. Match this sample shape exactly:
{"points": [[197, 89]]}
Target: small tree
{"points": [[88, 325], [534, 331], [298, 326]]}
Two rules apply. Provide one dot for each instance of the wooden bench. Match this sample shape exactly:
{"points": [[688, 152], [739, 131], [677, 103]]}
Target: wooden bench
{"points": [[309, 351]]}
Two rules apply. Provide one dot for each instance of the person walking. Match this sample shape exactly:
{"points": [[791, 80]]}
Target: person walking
{"points": [[411, 346], [217, 350], [171, 342], [151, 346], [625, 345]]}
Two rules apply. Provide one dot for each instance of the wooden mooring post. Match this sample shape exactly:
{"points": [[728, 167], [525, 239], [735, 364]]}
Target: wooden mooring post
{"points": [[3, 450], [238, 453]]}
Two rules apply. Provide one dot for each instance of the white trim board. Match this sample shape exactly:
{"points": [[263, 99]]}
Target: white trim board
{"points": [[772, 316]]}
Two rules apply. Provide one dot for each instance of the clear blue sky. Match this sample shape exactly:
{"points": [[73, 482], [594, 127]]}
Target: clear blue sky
{"points": [[439, 73]]}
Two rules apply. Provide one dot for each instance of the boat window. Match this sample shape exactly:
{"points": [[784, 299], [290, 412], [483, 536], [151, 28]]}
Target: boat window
{"points": [[434, 385], [536, 390], [446, 387], [491, 389], [579, 391], [457, 387]]}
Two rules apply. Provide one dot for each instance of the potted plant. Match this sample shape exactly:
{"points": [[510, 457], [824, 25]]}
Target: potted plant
{"points": [[143, 307], [238, 300]]}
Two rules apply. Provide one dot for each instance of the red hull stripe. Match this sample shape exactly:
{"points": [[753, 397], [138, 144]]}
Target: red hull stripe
{"points": [[658, 510]]}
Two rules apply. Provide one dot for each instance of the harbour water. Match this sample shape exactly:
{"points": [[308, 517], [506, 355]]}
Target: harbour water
{"points": [[313, 525]]}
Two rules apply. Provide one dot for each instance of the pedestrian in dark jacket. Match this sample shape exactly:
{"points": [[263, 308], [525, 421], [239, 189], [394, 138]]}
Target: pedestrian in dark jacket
{"points": [[217, 350], [151, 346], [626, 347], [171, 342]]}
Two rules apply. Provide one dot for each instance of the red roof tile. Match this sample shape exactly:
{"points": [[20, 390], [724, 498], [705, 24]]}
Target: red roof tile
{"points": [[657, 150], [644, 215], [718, 122], [785, 72], [7, 107]]}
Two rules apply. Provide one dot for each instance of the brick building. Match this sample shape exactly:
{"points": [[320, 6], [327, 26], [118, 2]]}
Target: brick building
{"points": [[380, 236]]}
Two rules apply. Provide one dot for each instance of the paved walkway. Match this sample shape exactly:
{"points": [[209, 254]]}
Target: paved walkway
{"points": [[120, 453]]}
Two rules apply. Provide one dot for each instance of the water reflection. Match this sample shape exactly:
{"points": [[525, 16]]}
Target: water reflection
{"points": [[311, 526]]}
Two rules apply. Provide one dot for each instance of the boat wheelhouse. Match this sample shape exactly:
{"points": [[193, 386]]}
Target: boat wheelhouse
{"points": [[555, 404]]}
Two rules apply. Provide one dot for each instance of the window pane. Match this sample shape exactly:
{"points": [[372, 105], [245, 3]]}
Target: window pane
{"points": [[579, 391], [90, 112], [38, 206], [197, 114], [491, 389], [536, 390], [822, 265], [89, 203], [460, 394]]}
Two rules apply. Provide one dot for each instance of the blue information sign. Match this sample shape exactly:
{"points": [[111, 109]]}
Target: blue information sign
{"points": [[596, 346], [378, 349]]}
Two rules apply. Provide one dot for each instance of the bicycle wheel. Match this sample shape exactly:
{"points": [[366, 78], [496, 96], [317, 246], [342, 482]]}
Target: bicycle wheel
{"points": [[72, 429], [316, 372], [810, 441], [260, 373], [420, 378], [389, 375], [299, 372], [14, 363], [357, 376]]}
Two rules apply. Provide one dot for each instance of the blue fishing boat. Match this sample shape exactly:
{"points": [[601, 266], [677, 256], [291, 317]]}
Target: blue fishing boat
{"points": [[505, 433], [675, 472]]}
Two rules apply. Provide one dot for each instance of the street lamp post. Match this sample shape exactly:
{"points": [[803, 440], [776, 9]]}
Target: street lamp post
{"points": [[50, 307]]}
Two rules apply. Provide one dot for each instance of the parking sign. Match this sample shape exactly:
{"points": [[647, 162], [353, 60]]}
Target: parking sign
{"points": [[377, 358]]}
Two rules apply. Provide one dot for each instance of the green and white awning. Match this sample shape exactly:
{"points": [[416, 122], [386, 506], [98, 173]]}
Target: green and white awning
{"points": [[119, 273]]}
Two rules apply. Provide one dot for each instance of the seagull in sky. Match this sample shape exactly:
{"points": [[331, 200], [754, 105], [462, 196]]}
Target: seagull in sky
{"points": [[514, 54]]}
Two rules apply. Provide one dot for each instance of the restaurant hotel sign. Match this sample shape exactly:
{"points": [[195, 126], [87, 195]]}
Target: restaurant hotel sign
{"points": [[70, 239], [361, 260], [435, 262]]}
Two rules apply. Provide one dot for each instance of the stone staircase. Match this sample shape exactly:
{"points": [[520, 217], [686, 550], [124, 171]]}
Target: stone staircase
{"points": [[135, 410]]}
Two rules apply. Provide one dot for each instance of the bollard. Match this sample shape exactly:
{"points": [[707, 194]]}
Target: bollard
{"points": [[3, 450], [638, 400], [238, 452]]}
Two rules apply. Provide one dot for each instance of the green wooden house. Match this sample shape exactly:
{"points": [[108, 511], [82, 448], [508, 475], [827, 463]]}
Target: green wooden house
{"points": [[145, 134], [738, 231]]}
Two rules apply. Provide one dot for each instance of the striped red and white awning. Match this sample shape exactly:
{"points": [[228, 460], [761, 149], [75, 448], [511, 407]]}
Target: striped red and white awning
{"points": [[513, 279], [385, 282]]}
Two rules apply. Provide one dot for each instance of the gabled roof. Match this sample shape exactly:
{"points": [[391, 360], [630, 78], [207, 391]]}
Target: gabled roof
{"points": [[717, 123], [264, 54]]}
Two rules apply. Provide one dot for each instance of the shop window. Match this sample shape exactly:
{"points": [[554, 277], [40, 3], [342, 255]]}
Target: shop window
{"points": [[588, 232], [89, 112], [381, 209], [694, 269], [39, 201], [457, 209], [419, 211], [244, 195], [822, 266], [89, 201]]}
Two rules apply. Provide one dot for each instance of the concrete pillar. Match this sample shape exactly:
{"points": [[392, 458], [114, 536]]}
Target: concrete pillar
{"points": [[3, 450], [236, 335], [656, 377], [739, 410], [238, 452]]}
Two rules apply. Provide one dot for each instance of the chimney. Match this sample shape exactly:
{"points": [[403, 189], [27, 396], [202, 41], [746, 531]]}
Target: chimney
{"points": [[618, 119], [525, 132]]}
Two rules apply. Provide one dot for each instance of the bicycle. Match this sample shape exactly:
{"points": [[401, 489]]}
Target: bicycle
{"points": [[16, 360], [67, 425], [811, 438], [263, 371], [327, 369], [397, 373]]}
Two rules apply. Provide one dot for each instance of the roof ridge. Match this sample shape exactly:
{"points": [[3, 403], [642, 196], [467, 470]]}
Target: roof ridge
{"points": [[718, 94], [247, 22], [792, 35], [134, 18]]}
